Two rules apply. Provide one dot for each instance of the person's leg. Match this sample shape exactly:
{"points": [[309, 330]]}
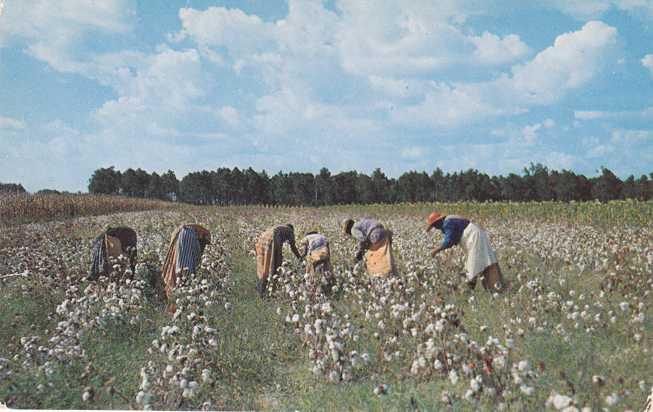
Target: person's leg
{"points": [[261, 287], [493, 279]]}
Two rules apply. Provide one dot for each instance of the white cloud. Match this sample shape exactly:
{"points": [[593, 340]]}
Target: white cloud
{"points": [[530, 132], [631, 137], [413, 152], [492, 49], [162, 90], [8, 123], [591, 9], [588, 115], [53, 29], [573, 60], [229, 115], [240, 33], [570, 63], [647, 61]]}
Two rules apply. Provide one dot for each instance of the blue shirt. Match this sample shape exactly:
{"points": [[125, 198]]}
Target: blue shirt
{"points": [[453, 228]]}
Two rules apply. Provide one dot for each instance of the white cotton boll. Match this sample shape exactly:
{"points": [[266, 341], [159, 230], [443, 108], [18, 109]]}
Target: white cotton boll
{"points": [[526, 390], [560, 401], [334, 376], [437, 365], [612, 400], [523, 366], [475, 385], [453, 376], [624, 306]]}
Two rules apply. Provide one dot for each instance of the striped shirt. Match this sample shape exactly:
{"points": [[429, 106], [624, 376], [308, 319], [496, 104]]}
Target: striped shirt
{"points": [[188, 250]]}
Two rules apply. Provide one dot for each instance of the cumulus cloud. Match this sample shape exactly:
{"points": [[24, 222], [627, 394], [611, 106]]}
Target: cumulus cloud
{"points": [[162, 89], [647, 61], [52, 30], [530, 132], [571, 62], [591, 9], [589, 115], [8, 123], [229, 115], [492, 49]]}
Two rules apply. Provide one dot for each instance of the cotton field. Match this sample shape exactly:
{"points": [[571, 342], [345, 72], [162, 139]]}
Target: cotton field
{"points": [[573, 332]]}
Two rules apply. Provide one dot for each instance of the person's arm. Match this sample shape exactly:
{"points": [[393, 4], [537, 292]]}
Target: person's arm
{"points": [[293, 247], [360, 252], [448, 231]]}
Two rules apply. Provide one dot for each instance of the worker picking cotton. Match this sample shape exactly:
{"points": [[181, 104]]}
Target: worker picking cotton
{"points": [[374, 243], [269, 253], [112, 243], [315, 249], [187, 245], [481, 258]]}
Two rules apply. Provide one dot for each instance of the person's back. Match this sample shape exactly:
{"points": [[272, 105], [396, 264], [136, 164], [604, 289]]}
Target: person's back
{"points": [[368, 230], [316, 241]]}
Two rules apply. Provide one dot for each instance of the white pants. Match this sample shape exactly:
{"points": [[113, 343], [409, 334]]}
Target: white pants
{"points": [[480, 255]]}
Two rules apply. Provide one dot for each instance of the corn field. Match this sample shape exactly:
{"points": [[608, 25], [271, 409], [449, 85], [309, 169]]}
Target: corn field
{"points": [[26, 208]]}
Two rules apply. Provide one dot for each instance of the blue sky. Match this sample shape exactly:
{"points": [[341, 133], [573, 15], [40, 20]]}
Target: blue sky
{"points": [[347, 84]]}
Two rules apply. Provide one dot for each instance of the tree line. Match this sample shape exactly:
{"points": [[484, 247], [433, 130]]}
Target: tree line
{"points": [[226, 186], [11, 188]]}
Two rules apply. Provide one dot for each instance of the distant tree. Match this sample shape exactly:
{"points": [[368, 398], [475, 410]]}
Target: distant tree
{"points": [[324, 192], [345, 187], [629, 189], [170, 185], [537, 181], [607, 186], [12, 188], [105, 181], [303, 188], [565, 186], [282, 189], [225, 186], [644, 188], [48, 192], [129, 182], [437, 185], [155, 187], [365, 189], [512, 188]]}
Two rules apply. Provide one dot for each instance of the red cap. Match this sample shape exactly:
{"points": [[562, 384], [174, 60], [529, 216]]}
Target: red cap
{"points": [[432, 219]]}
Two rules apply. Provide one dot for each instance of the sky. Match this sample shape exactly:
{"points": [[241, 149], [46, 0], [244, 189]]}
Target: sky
{"points": [[296, 85]]}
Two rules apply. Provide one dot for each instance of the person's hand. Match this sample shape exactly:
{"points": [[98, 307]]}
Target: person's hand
{"points": [[434, 252]]}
